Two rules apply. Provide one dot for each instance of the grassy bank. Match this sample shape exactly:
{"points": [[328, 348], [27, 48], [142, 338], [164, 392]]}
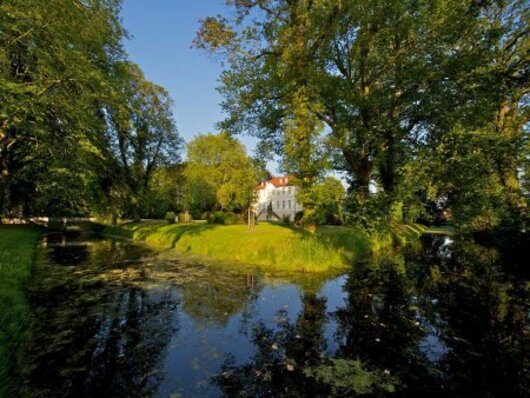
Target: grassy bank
{"points": [[17, 251], [271, 246]]}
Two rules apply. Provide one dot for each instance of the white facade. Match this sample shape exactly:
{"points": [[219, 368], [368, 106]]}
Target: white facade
{"points": [[280, 194]]}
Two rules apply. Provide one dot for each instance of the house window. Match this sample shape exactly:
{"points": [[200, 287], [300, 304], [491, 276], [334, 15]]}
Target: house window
{"points": [[283, 204], [289, 190], [289, 204], [278, 205]]}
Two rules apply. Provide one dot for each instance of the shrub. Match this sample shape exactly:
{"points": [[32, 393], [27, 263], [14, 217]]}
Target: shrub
{"points": [[232, 218], [170, 217], [185, 218], [207, 215], [286, 220], [217, 218], [225, 218], [298, 217]]}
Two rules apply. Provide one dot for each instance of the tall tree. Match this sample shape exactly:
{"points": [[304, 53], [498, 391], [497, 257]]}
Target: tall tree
{"points": [[143, 133], [372, 83], [364, 70], [56, 58]]}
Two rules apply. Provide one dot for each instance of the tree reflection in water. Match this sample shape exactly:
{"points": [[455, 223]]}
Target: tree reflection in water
{"points": [[448, 320], [94, 337]]}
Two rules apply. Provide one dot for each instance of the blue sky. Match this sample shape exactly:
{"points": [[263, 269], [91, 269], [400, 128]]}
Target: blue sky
{"points": [[161, 35], [162, 32]]}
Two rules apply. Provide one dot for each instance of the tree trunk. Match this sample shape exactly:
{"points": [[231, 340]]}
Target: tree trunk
{"points": [[360, 169], [250, 219], [387, 165]]}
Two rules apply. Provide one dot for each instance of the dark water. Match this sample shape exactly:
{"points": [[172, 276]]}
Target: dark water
{"points": [[112, 319]]}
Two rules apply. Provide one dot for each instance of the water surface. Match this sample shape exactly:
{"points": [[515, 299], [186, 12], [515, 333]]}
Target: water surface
{"points": [[112, 319]]}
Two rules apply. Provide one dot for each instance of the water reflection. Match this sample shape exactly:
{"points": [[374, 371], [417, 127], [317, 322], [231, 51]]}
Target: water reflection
{"points": [[111, 319], [444, 321], [94, 338]]}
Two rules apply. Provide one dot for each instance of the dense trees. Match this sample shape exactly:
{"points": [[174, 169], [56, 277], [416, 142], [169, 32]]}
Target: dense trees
{"points": [[376, 89], [422, 104], [81, 130]]}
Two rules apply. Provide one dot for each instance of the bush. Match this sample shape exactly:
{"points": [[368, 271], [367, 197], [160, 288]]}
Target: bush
{"points": [[217, 218], [170, 217], [183, 218], [224, 218], [286, 220], [298, 217], [232, 218], [207, 216]]}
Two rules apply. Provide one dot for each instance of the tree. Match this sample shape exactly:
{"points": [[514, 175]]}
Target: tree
{"points": [[219, 165], [81, 130], [199, 197], [369, 85], [143, 133], [56, 59], [165, 192], [324, 201], [364, 69]]}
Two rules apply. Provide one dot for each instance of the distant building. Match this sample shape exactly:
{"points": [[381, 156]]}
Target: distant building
{"points": [[276, 199]]}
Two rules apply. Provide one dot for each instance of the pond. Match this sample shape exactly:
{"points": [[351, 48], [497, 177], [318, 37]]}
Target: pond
{"points": [[113, 319]]}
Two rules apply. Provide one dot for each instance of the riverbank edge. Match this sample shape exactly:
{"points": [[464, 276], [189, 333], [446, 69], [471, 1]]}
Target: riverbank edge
{"points": [[18, 245], [270, 246]]}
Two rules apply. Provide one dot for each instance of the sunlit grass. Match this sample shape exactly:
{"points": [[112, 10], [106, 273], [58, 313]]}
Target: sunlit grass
{"points": [[17, 251], [270, 246]]}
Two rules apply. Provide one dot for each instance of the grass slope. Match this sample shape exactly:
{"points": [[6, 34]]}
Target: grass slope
{"points": [[269, 245], [17, 251]]}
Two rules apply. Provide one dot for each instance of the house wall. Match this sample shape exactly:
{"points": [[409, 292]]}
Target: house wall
{"points": [[283, 201]]}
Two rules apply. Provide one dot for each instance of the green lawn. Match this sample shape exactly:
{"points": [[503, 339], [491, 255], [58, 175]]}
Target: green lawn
{"points": [[271, 246], [17, 251]]}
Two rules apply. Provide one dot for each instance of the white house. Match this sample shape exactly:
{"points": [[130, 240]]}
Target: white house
{"points": [[278, 194]]}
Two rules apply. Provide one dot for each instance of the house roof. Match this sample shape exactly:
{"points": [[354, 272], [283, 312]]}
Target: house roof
{"points": [[279, 181]]}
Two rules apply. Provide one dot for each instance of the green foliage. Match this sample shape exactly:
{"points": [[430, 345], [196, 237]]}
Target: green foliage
{"points": [[466, 171], [170, 217], [17, 250], [81, 130], [224, 218], [144, 138], [323, 202], [219, 174], [56, 61], [199, 197], [368, 212], [165, 192], [378, 90]]}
